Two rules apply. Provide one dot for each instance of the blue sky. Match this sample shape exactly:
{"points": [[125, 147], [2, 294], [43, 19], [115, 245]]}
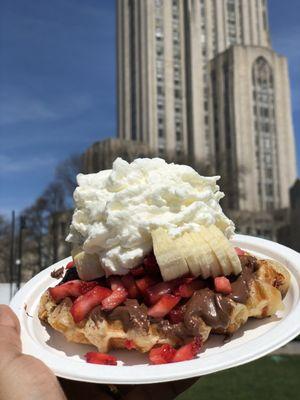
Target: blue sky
{"points": [[57, 84]]}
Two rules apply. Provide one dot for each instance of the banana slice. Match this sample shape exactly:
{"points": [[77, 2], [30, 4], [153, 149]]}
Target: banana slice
{"points": [[168, 255], [217, 248], [88, 266], [194, 255], [236, 267], [207, 259]]}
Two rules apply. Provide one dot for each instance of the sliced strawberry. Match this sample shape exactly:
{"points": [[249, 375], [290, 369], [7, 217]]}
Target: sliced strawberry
{"points": [[222, 285], [138, 271], [115, 282], [188, 351], [85, 303], [144, 283], [129, 344], [163, 306], [130, 285], [70, 265], [73, 288], [154, 293], [150, 265], [239, 251], [188, 289], [176, 315], [100, 358], [162, 355], [116, 298]]}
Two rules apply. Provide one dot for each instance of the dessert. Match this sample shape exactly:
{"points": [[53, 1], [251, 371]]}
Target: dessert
{"points": [[153, 268]]}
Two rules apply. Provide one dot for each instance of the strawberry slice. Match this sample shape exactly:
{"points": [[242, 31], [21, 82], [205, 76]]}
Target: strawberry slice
{"points": [[188, 289], [130, 285], [176, 315], [144, 283], [117, 297], [188, 351], [100, 358], [239, 251], [115, 282], [70, 265], [129, 344], [222, 285], [163, 306], [138, 271], [73, 288], [162, 355], [85, 303], [150, 265], [154, 293]]}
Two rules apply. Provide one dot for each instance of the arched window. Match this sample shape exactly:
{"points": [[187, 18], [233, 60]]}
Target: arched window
{"points": [[265, 132]]}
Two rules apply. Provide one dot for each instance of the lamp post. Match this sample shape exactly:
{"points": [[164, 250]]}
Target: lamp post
{"points": [[12, 254], [22, 226]]}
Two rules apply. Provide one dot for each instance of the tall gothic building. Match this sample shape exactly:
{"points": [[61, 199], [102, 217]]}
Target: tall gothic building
{"points": [[199, 78]]}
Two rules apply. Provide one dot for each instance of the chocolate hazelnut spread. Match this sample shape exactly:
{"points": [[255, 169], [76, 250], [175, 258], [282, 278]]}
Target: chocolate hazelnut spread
{"points": [[132, 315], [241, 286], [213, 308], [171, 330]]}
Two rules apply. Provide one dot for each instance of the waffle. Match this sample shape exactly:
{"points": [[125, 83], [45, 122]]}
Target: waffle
{"points": [[269, 285]]}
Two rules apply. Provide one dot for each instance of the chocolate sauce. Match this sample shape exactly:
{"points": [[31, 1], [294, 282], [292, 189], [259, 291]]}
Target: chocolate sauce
{"points": [[132, 315], [212, 308], [241, 286]]}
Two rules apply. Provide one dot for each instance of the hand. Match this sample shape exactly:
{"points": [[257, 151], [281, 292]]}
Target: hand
{"points": [[22, 376], [27, 378]]}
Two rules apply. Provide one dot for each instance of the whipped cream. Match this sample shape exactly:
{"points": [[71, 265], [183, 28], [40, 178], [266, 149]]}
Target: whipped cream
{"points": [[117, 209]]}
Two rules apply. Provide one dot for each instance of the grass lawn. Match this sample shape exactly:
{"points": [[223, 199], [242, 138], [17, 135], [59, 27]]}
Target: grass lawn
{"points": [[270, 378]]}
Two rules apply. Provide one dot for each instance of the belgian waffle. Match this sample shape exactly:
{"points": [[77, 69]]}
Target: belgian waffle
{"points": [[267, 288]]}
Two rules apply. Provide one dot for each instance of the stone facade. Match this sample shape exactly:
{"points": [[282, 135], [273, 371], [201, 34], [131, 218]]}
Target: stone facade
{"points": [[170, 99], [251, 121]]}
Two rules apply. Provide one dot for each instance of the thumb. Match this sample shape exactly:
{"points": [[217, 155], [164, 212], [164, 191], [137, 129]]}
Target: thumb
{"points": [[10, 342]]}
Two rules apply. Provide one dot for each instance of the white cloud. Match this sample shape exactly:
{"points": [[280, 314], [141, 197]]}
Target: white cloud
{"points": [[12, 165], [18, 107]]}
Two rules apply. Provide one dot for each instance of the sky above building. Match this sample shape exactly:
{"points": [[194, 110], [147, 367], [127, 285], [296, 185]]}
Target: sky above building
{"points": [[58, 89]]}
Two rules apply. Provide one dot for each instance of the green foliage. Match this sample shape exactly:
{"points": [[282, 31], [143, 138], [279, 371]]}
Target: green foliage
{"points": [[273, 377]]}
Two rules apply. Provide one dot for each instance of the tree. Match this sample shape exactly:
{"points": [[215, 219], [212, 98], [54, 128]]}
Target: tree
{"points": [[65, 175]]}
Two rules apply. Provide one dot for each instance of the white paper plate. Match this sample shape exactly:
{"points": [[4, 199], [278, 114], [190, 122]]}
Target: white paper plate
{"points": [[254, 340]]}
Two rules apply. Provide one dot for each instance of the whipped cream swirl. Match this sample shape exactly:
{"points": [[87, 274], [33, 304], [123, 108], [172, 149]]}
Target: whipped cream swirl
{"points": [[117, 209]]}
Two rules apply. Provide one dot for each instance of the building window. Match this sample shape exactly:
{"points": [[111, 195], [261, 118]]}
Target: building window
{"points": [[264, 126]]}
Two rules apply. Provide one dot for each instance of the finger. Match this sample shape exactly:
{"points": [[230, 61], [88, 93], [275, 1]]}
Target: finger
{"points": [[10, 342]]}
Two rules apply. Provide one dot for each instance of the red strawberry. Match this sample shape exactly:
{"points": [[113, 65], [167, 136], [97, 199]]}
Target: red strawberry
{"points": [[70, 265], [100, 358], [188, 351], [115, 282], [85, 303], [162, 355], [150, 265], [222, 285], [239, 251], [154, 293], [188, 289], [117, 297], [129, 344], [138, 271], [130, 285], [73, 288], [163, 306], [176, 315], [144, 283]]}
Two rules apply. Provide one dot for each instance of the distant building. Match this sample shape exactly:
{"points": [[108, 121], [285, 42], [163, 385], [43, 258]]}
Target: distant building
{"points": [[289, 234], [102, 154], [198, 78]]}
